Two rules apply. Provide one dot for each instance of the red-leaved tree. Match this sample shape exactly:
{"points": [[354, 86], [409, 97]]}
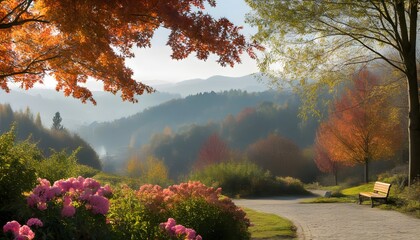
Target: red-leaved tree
{"points": [[324, 162], [213, 151], [279, 155]]}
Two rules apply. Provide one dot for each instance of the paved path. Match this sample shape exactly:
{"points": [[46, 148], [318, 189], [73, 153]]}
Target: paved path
{"points": [[338, 220]]}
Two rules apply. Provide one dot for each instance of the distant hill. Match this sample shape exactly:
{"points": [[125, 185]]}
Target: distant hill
{"points": [[28, 126], [240, 133], [249, 83], [74, 113], [136, 130], [110, 107]]}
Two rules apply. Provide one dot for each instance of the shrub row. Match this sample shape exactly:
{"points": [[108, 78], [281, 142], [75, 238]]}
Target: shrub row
{"points": [[80, 208], [245, 179]]}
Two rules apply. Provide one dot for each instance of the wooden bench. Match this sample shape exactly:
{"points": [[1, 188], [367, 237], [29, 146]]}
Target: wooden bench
{"points": [[380, 192]]}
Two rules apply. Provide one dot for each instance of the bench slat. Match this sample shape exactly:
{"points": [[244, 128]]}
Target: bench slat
{"points": [[380, 191]]}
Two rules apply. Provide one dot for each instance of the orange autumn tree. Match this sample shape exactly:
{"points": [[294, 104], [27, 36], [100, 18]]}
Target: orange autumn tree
{"points": [[362, 126], [323, 161], [74, 40], [213, 151]]}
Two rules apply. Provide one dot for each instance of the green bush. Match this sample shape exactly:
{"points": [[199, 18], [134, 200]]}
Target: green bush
{"points": [[86, 171], [209, 220], [244, 179], [290, 185], [130, 218], [61, 165], [58, 166], [117, 181], [74, 208], [137, 214], [16, 173], [398, 181]]}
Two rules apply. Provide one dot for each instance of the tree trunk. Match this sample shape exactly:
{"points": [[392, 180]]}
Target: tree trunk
{"points": [[336, 178], [413, 128], [366, 170], [408, 53]]}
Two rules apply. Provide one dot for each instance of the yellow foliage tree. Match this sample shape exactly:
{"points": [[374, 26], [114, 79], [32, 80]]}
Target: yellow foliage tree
{"points": [[152, 170]]}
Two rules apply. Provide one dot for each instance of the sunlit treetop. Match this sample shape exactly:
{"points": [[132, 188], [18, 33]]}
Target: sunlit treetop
{"points": [[74, 40]]}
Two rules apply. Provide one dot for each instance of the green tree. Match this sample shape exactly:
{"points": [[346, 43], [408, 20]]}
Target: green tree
{"points": [[315, 42], [38, 121], [16, 172], [57, 122]]}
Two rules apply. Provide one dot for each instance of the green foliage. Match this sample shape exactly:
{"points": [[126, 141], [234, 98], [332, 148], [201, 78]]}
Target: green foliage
{"points": [[210, 221], [86, 171], [399, 181], [131, 218], [269, 226], [116, 180], [58, 166], [46, 139], [137, 214], [189, 120], [149, 171], [246, 179], [357, 189], [84, 225], [16, 172], [57, 122], [70, 209]]}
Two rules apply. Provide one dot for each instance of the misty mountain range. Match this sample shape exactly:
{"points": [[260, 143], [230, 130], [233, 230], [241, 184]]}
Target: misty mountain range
{"points": [[136, 130], [110, 107], [249, 83]]}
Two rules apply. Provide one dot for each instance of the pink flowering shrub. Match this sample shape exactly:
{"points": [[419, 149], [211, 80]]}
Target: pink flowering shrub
{"points": [[71, 192], [194, 205], [178, 232], [15, 231], [74, 208]]}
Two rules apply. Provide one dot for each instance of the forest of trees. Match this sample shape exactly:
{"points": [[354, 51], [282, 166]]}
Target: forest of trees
{"points": [[47, 140], [136, 130], [268, 134]]}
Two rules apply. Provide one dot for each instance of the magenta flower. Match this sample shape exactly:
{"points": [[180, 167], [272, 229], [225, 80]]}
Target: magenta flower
{"points": [[53, 191], [63, 185], [19, 232], [42, 206], [68, 211], [99, 204], [178, 229], [12, 226], [91, 183], [86, 194], [34, 222], [26, 232], [67, 200], [32, 200], [190, 233], [104, 191]]}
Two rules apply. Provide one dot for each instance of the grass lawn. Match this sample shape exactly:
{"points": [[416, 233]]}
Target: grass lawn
{"points": [[340, 195], [397, 200], [269, 226]]}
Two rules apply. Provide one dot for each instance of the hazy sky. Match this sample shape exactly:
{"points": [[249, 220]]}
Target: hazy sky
{"points": [[154, 65]]}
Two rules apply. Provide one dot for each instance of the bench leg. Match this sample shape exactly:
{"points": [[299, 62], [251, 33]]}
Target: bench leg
{"points": [[371, 202], [360, 199]]}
